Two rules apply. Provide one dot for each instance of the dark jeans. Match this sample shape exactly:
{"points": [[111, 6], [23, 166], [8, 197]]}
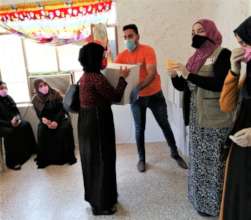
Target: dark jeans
{"points": [[158, 106]]}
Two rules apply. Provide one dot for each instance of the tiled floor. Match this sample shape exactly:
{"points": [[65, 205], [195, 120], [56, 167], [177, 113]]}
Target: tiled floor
{"points": [[56, 193]]}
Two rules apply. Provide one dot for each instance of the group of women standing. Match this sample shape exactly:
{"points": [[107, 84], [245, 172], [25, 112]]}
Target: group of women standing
{"points": [[55, 143], [211, 82]]}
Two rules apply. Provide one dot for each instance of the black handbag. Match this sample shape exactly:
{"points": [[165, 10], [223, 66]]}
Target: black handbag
{"points": [[71, 100]]}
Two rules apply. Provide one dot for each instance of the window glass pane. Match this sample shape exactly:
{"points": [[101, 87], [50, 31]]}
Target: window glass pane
{"points": [[111, 32], [112, 14], [12, 67], [40, 57], [68, 57]]}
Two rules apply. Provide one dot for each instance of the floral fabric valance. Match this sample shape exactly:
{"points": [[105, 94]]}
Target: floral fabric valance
{"points": [[58, 22]]}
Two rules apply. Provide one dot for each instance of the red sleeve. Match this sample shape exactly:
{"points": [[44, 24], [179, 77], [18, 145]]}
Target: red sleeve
{"points": [[105, 89]]}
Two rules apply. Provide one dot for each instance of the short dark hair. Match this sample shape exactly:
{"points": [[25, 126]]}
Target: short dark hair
{"points": [[131, 26], [2, 83], [90, 57]]}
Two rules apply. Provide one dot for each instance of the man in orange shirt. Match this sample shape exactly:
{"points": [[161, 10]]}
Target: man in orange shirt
{"points": [[147, 94]]}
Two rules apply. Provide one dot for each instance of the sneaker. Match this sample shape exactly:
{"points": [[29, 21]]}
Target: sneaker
{"points": [[141, 166]]}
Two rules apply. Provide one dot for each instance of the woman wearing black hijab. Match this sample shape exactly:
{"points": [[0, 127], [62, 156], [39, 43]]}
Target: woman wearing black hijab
{"points": [[55, 133], [19, 141], [236, 200], [96, 130]]}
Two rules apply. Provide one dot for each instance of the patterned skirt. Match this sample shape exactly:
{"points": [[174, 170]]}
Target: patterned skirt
{"points": [[206, 168]]}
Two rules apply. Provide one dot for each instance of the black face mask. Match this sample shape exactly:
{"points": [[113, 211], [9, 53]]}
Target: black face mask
{"points": [[198, 41]]}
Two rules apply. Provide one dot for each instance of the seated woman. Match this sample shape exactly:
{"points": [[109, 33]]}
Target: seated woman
{"points": [[96, 130], [55, 133], [18, 136]]}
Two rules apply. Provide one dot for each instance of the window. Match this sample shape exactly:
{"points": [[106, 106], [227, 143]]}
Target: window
{"points": [[21, 60], [40, 58], [113, 44], [68, 57], [12, 67]]}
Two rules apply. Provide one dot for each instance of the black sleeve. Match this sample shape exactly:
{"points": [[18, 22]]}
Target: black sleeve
{"points": [[38, 113], [4, 123], [13, 107], [179, 83], [60, 115], [8, 112], [220, 68]]}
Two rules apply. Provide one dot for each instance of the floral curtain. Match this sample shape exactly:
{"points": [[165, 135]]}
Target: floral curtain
{"points": [[59, 22]]}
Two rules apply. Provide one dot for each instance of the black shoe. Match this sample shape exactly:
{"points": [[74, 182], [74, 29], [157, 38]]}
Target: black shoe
{"points": [[72, 161], [110, 211], [179, 160], [141, 166], [204, 214], [15, 167], [41, 166]]}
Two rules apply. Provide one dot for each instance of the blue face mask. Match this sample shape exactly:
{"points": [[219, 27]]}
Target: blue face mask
{"points": [[130, 45]]}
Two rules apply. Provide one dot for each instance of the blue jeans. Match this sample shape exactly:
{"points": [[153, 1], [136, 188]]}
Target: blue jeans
{"points": [[158, 106]]}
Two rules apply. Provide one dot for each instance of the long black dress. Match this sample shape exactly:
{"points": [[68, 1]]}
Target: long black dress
{"points": [[97, 139], [237, 196], [55, 146], [236, 202], [19, 141]]}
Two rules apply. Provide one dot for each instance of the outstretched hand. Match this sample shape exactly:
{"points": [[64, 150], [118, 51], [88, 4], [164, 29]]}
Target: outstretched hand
{"points": [[124, 72], [242, 137]]}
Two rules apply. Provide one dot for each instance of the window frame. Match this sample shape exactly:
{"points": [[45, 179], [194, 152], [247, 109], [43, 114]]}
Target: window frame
{"points": [[70, 72]]}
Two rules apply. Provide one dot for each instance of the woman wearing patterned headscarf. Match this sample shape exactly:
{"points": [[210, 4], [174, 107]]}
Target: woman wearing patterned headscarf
{"points": [[55, 134], [96, 130], [236, 200], [201, 80]]}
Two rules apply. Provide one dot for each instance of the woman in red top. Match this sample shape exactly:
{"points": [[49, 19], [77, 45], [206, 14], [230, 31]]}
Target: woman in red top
{"points": [[96, 130]]}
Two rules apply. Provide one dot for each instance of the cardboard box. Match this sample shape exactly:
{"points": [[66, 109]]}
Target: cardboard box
{"points": [[112, 75]]}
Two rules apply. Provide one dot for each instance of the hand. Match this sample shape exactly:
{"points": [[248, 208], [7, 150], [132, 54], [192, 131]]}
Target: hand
{"points": [[134, 95], [19, 122], [54, 125], [124, 72], [15, 122], [242, 137], [171, 65], [45, 121], [171, 68], [183, 70], [172, 73], [235, 59]]}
